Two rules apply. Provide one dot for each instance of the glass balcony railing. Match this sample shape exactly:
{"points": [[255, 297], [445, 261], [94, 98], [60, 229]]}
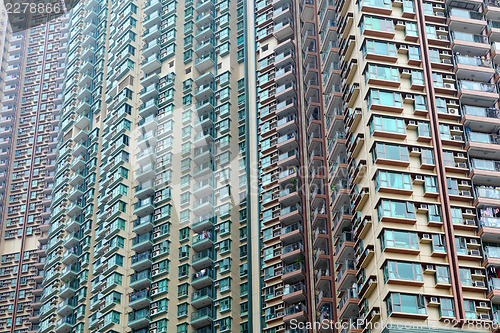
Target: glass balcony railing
{"points": [[141, 256], [487, 192], [295, 308], [480, 112], [140, 276], [466, 14], [484, 138], [490, 222], [290, 209], [473, 61], [492, 252], [292, 247], [289, 289], [488, 165], [467, 37], [477, 86], [293, 267]]}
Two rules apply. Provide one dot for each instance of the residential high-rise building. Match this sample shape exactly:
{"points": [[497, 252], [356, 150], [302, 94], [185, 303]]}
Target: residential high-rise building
{"points": [[268, 166], [32, 78]]}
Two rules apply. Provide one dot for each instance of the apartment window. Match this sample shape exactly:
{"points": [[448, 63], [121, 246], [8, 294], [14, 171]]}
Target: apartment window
{"points": [[427, 156], [225, 228], [182, 310], [461, 245], [183, 271], [384, 98], [387, 4], [430, 184], [414, 53], [441, 105], [430, 31], [423, 129], [465, 277], [420, 103], [181, 328], [184, 234], [225, 284], [392, 180], [456, 215], [225, 265], [446, 308], [448, 158], [399, 239], [470, 309], [444, 131], [442, 274], [411, 29], [396, 209], [224, 304], [402, 271], [379, 48], [438, 244], [417, 77], [183, 290], [387, 124], [390, 152], [434, 214], [225, 246], [183, 252], [376, 23], [405, 303]]}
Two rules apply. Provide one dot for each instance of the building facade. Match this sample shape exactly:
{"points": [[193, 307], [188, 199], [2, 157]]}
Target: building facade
{"points": [[264, 166], [32, 78]]}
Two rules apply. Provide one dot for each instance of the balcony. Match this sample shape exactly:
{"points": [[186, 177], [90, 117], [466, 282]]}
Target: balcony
{"points": [[283, 30], [477, 93], [65, 324], [290, 214], [203, 63], [143, 224], [143, 242], [292, 233], [66, 307], [292, 252], [293, 293], [293, 273], [468, 43], [348, 304], [479, 144], [202, 259], [477, 68], [141, 261], [462, 19], [202, 278], [202, 317], [139, 299], [140, 280], [481, 118], [202, 241], [203, 206], [144, 207], [202, 298], [139, 319], [297, 311]]}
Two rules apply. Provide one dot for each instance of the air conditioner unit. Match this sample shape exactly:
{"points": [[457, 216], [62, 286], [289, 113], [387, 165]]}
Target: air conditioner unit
{"points": [[412, 123], [457, 138], [443, 37], [426, 236], [415, 150], [457, 128], [484, 316], [440, 14], [406, 71], [470, 222], [478, 272], [481, 304], [419, 177], [400, 23], [465, 193], [480, 284], [403, 47], [424, 207], [462, 165], [430, 268], [449, 85], [474, 253], [434, 300], [409, 96], [469, 212], [438, 6], [461, 155], [441, 29]]}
